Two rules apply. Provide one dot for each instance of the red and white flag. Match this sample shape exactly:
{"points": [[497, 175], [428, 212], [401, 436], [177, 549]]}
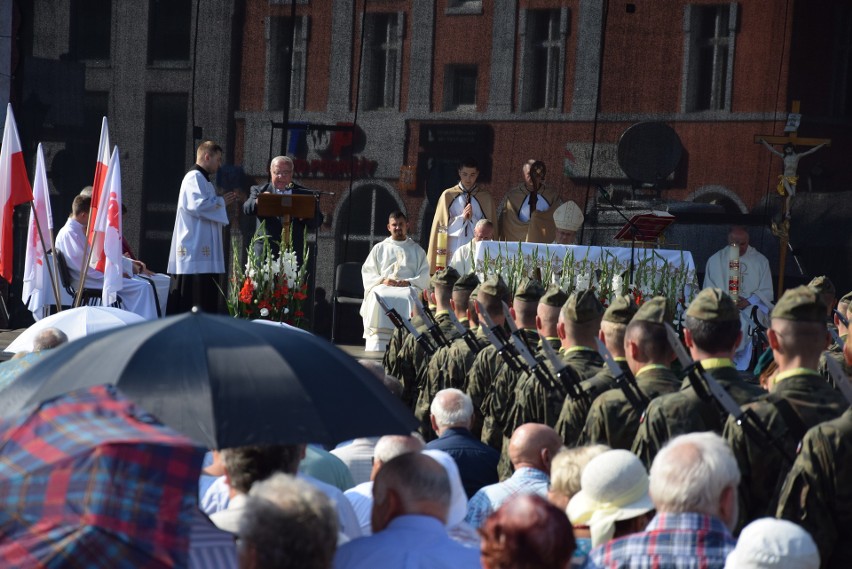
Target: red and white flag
{"points": [[101, 170], [107, 233], [15, 189], [34, 291]]}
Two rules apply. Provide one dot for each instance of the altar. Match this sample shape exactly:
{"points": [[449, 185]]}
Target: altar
{"points": [[666, 272]]}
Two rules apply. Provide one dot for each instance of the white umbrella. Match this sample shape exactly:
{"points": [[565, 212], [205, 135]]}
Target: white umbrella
{"points": [[76, 323]]}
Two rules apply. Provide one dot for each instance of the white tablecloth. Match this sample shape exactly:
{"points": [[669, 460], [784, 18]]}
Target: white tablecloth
{"points": [[591, 252]]}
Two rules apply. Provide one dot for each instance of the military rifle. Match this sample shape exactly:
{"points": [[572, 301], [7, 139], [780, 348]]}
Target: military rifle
{"points": [[699, 377], [431, 324], [624, 380], [401, 322], [841, 380], [841, 317], [496, 336], [535, 366], [466, 333], [564, 373]]}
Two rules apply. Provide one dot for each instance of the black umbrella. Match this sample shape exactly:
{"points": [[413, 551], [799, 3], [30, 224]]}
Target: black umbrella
{"points": [[224, 382]]}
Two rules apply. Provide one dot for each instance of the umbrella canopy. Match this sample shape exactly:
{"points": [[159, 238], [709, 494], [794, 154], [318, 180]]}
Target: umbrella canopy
{"points": [[224, 382], [76, 323], [86, 480]]}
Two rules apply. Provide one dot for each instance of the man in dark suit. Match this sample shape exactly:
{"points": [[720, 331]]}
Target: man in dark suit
{"points": [[281, 182], [452, 411]]}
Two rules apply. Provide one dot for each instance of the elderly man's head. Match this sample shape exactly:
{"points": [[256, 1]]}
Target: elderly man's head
{"points": [[287, 524], [696, 473], [534, 445], [281, 171], [410, 484], [483, 230], [391, 446], [451, 408], [48, 339]]}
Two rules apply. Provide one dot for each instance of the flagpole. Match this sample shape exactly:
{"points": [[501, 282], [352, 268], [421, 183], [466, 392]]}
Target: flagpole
{"points": [[84, 269], [44, 248], [55, 263]]}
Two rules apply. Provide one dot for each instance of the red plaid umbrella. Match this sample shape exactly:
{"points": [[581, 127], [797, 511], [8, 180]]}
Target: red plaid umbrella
{"points": [[87, 480]]}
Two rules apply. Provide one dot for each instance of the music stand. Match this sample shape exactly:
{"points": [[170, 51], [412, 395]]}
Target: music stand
{"points": [[645, 228]]}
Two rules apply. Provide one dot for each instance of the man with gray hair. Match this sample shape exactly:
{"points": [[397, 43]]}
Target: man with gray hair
{"points": [[451, 415], [281, 182], [412, 501], [48, 339], [693, 484], [287, 524], [464, 259], [361, 496]]}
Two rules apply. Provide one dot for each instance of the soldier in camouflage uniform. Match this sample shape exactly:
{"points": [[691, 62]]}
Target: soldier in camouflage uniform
{"points": [[488, 363], [835, 350], [573, 412], [817, 494], [537, 400], [712, 335], [799, 399], [433, 377], [391, 361], [499, 402], [412, 358], [612, 420]]}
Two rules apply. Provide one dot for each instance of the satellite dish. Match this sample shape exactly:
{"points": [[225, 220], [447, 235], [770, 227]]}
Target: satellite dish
{"points": [[649, 152]]}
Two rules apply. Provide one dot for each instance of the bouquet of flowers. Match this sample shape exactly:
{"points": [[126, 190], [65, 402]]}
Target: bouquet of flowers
{"points": [[269, 287]]}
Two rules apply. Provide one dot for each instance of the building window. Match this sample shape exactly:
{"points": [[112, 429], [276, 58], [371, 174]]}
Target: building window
{"points": [[842, 80], [169, 30], [543, 34], [460, 88], [710, 32], [457, 7], [382, 66], [277, 51], [91, 24], [363, 218]]}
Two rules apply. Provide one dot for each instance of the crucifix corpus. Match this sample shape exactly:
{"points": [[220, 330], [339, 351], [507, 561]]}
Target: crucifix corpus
{"points": [[789, 178]]}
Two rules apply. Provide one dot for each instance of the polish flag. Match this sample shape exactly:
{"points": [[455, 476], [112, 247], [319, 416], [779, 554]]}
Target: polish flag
{"points": [[101, 170], [107, 233], [15, 189], [34, 268]]}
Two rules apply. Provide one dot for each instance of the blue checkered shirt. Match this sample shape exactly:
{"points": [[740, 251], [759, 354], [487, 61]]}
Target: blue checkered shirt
{"points": [[485, 502], [673, 541]]}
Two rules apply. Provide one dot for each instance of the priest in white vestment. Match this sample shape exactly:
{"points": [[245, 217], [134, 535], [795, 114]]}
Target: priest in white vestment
{"points": [[464, 259], [136, 294], [396, 270], [755, 286]]}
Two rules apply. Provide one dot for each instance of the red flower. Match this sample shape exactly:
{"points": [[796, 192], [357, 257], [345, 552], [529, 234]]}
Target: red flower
{"points": [[246, 292], [299, 314], [300, 296]]}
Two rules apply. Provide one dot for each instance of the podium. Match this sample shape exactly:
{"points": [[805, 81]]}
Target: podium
{"points": [[286, 205]]}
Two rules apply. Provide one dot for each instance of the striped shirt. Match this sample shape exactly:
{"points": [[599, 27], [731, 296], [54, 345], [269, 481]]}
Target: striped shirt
{"points": [[485, 502]]}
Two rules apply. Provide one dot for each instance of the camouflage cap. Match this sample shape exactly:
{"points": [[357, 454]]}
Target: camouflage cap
{"points": [[475, 292], [654, 310], [713, 305], [554, 296], [530, 290], [621, 310], [846, 298], [467, 282], [582, 307], [800, 304], [822, 285], [495, 286], [445, 277]]}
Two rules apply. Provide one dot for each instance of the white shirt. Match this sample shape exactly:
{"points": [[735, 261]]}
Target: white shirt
{"points": [[460, 230]]}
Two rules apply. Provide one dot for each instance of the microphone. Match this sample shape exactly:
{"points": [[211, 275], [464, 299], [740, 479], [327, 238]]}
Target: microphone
{"points": [[604, 193]]}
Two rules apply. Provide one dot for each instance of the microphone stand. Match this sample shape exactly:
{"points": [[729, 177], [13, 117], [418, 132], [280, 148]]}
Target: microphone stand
{"points": [[633, 230], [313, 274]]}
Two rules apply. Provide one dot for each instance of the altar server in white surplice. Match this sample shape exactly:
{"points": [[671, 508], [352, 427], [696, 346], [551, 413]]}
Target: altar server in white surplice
{"points": [[755, 286], [136, 295], [396, 270]]}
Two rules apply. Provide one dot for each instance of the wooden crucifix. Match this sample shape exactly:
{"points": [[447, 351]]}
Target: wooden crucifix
{"points": [[788, 179]]}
